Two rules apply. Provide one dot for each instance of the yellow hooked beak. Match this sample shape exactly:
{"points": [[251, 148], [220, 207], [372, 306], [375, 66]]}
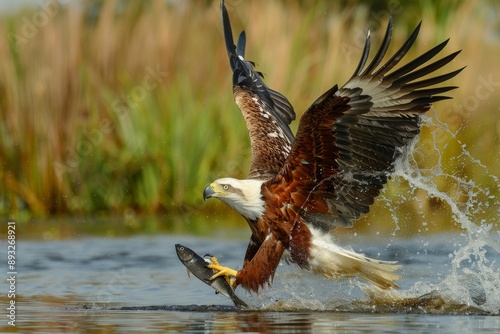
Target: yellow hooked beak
{"points": [[212, 190]]}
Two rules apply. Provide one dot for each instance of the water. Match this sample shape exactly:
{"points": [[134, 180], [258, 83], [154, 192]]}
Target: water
{"points": [[451, 281], [131, 284]]}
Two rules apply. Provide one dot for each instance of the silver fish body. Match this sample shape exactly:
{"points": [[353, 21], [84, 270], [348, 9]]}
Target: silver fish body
{"points": [[198, 267]]}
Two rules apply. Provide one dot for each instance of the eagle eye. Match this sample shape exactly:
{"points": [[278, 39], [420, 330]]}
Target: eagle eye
{"points": [[225, 187]]}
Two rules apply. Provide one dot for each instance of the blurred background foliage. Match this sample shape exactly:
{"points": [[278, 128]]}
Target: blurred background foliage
{"points": [[125, 107]]}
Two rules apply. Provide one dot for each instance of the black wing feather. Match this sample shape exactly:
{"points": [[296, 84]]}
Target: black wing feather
{"points": [[261, 107], [372, 118], [377, 130]]}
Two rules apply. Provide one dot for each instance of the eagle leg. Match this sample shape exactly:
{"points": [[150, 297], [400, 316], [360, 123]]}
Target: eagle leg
{"points": [[228, 273]]}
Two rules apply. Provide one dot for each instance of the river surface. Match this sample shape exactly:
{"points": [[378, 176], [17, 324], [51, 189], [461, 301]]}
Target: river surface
{"points": [[132, 284]]}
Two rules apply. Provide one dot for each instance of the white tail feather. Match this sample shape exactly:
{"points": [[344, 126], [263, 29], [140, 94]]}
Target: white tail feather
{"points": [[335, 262]]}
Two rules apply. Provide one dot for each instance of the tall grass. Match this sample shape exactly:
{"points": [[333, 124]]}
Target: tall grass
{"points": [[111, 106]]}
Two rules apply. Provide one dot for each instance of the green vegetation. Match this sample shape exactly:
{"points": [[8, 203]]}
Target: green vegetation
{"points": [[112, 107]]}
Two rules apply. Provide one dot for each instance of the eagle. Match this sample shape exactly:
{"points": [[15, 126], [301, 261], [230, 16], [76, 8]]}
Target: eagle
{"points": [[302, 187]]}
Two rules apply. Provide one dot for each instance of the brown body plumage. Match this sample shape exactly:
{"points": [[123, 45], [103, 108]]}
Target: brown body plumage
{"points": [[299, 189]]}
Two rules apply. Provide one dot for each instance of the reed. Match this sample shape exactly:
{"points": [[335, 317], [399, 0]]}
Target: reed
{"points": [[114, 105]]}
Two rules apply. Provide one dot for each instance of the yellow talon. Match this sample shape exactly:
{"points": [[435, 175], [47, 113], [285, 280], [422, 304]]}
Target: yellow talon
{"points": [[222, 271], [214, 260], [228, 273]]}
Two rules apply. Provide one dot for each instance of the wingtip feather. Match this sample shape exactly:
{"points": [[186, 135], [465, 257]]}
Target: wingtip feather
{"points": [[228, 33], [240, 48]]}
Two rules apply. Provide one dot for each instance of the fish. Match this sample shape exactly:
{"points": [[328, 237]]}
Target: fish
{"points": [[198, 267]]}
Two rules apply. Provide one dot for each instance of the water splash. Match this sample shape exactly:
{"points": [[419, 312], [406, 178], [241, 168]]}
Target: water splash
{"points": [[473, 279]]}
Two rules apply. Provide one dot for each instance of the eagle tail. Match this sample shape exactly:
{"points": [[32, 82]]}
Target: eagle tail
{"points": [[333, 261]]}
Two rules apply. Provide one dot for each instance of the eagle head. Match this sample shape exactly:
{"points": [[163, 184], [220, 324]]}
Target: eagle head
{"points": [[243, 196]]}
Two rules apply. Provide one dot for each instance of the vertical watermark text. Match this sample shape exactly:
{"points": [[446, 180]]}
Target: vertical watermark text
{"points": [[11, 273]]}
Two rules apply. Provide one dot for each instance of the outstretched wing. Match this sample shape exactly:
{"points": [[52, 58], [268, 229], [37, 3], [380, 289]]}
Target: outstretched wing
{"points": [[267, 113], [349, 138]]}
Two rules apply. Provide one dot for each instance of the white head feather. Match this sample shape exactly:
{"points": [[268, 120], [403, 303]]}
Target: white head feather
{"points": [[243, 196]]}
